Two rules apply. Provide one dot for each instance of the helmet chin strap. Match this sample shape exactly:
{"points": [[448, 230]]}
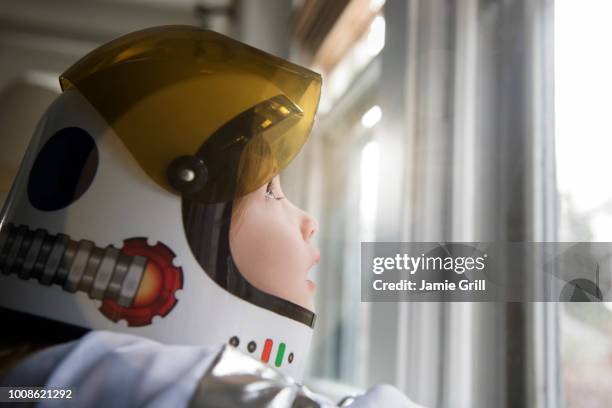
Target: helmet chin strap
{"points": [[207, 229], [265, 300]]}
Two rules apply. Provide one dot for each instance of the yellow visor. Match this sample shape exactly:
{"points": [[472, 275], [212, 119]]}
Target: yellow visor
{"points": [[204, 115]]}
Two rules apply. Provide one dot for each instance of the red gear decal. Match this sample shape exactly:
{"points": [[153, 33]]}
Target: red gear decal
{"points": [[155, 295]]}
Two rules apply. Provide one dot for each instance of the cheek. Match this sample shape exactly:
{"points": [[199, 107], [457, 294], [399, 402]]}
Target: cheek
{"points": [[268, 249]]}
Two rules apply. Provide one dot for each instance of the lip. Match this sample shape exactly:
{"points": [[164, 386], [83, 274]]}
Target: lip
{"points": [[311, 285], [317, 258]]}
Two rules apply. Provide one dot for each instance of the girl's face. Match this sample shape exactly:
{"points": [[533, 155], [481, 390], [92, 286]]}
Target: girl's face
{"points": [[270, 241]]}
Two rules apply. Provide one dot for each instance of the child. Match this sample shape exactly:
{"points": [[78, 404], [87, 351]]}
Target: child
{"points": [[148, 219]]}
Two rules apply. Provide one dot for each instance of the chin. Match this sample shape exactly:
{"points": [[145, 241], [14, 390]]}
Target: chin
{"points": [[307, 302]]}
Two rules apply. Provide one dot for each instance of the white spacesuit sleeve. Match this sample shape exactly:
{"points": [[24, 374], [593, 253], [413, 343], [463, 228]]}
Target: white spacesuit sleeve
{"points": [[106, 369]]}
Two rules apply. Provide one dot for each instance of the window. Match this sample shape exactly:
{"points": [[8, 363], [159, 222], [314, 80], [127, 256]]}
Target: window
{"points": [[584, 144]]}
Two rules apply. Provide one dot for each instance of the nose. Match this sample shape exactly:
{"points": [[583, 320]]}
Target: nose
{"points": [[309, 226]]}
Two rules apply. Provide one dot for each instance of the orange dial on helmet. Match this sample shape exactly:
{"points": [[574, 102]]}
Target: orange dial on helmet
{"points": [[156, 293]]}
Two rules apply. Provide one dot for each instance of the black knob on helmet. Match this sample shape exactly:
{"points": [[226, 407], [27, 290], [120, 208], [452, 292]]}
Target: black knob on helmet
{"points": [[187, 174]]}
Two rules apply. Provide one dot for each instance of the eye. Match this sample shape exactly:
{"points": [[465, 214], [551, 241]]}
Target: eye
{"points": [[270, 191]]}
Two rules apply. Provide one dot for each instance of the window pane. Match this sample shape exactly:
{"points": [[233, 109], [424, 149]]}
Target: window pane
{"points": [[584, 141]]}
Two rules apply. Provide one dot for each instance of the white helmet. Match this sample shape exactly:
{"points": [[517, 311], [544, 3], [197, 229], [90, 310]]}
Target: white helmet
{"points": [[119, 216]]}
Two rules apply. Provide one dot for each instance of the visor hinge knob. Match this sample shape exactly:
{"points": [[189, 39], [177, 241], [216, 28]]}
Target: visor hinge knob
{"points": [[187, 174]]}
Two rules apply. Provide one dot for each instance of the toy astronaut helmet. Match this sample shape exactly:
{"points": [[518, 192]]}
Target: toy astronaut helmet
{"points": [[119, 216]]}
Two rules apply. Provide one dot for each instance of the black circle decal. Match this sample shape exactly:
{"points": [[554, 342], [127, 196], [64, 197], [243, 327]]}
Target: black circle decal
{"points": [[63, 170], [234, 341]]}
